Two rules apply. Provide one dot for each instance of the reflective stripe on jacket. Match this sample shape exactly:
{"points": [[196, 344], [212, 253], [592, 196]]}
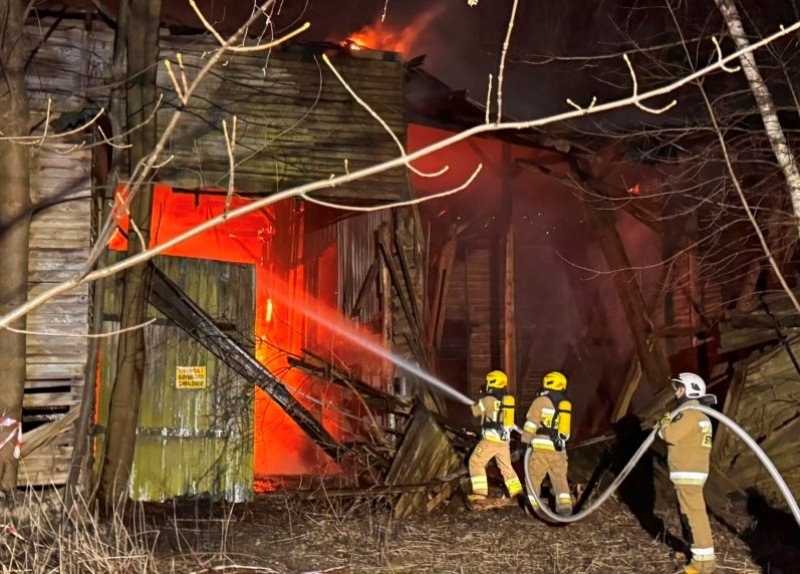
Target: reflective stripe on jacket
{"points": [[489, 408], [538, 418], [689, 439]]}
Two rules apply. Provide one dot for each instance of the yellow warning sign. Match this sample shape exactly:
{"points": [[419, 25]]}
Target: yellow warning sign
{"points": [[190, 377]]}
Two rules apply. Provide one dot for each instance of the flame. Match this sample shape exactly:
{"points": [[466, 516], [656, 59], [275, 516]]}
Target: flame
{"points": [[381, 36]]}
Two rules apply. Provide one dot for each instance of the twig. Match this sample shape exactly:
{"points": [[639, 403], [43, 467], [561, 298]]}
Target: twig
{"points": [[501, 71], [302, 190], [377, 117], [405, 203], [82, 335], [230, 145]]}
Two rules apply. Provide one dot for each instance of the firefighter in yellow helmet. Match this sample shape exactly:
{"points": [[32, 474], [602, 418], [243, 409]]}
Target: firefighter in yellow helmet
{"points": [[547, 429], [495, 407], [689, 436]]}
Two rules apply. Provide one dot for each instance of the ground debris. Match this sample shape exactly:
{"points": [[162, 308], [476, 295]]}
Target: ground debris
{"points": [[300, 538]]}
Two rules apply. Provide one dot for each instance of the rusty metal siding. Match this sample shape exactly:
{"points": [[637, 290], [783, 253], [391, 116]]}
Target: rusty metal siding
{"points": [[296, 123]]}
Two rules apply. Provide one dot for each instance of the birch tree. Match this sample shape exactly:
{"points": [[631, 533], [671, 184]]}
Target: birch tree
{"points": [[766, 105]]}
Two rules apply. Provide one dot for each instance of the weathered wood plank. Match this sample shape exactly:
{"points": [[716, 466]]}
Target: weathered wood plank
{"points": [[42, 400]]}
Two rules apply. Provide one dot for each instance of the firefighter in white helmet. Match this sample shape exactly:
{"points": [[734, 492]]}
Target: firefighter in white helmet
{"points": [[547, 429], [495, 407], [688, 436]]}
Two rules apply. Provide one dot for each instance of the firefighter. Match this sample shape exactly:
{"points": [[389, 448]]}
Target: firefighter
{"points": [[688, 436], [547, 429], [495, 407]]}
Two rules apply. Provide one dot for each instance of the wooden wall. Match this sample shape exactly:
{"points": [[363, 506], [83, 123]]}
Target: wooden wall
{"points": [[296, 123], [478, 293], [60, 237], [66, 68], [764, 400]]}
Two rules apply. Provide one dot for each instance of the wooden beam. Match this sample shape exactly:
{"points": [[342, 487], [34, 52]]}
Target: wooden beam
{"points": [[653, 359], [628, 389], [509, 314], [444, 270], [325, 371], [45, 434], [372, 274], [170, 300], [410, 287], [643, 209], [394, 273]]}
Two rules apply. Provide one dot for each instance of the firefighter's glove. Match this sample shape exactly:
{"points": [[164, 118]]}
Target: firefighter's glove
{"points": [[526, 438], [559, 443]]}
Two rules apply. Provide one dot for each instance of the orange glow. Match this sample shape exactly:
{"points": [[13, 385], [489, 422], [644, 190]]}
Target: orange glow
{"points": [[288, 321], [381, 36]]}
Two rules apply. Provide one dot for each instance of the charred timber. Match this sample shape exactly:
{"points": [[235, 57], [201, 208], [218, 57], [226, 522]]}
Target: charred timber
{"points": [[389, 402]]}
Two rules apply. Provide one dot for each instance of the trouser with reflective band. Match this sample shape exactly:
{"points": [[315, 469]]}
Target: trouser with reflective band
{"points": [[554, 463], [697, 530], [481, 456]]}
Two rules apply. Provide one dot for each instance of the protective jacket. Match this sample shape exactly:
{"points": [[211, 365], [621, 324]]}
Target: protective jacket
{"points": [[544, 428], [492, 407], [688, 437]]}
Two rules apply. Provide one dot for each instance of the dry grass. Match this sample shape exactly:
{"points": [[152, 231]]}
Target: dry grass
{"points": [[340, 535]]}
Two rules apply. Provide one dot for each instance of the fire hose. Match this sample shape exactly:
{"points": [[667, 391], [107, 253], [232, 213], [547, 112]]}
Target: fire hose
{"points": [[543, 509]]}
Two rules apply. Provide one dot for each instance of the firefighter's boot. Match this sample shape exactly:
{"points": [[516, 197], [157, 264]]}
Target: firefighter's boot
{"points": [[477, 501]]}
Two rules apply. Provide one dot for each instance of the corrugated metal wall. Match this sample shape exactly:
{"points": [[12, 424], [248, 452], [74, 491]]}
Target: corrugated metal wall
{"points": [[358, 251], [203, 436]]}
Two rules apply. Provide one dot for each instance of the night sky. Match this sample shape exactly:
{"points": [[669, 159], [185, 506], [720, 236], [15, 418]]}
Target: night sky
{"points": [[462, 43]]}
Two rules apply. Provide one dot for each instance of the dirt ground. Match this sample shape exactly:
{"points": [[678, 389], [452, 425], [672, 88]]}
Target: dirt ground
{"points": [[294, 537]]}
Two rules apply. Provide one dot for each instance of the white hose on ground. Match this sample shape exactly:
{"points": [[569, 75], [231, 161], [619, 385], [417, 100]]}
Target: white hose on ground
{"points": [[739, 431]]}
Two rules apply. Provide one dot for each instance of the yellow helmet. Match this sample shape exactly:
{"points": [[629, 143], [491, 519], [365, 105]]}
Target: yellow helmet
{"points": [[496, 380], [555, 381]]}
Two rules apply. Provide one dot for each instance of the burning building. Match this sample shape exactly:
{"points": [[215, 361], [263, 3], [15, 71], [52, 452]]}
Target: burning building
{"points": [[263, 362]]}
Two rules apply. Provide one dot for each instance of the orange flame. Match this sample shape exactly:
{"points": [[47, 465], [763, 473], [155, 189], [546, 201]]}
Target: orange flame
{"points": [[381, 36]]}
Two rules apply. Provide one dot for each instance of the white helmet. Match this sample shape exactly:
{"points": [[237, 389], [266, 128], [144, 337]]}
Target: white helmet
{"points": [[694, 384]]}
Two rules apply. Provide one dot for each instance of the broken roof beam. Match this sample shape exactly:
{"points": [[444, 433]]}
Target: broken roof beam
{"points": [[170, 300], [642, 208], [653, 359], [326, 371]]}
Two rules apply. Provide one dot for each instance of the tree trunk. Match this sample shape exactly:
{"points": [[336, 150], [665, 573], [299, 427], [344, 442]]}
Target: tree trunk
{"points": [[766, 106], [15, 209], [142, 36]]}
